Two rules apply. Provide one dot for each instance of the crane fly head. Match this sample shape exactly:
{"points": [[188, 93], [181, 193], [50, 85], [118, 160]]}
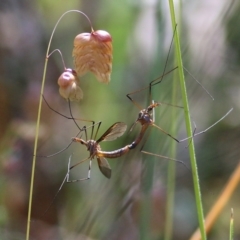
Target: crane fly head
{"points": [[153, 105], [144, 117]]}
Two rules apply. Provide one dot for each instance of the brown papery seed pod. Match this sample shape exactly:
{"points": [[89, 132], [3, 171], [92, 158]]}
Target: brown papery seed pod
{"points": [[93, 52], [68, 85]]}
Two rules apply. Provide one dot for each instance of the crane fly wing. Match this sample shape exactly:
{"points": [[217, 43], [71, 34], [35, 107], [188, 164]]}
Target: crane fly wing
{"points": [[115, 131], [104, 167]]}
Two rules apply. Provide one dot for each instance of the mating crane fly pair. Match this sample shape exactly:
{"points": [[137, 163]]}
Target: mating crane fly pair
{"points": [[115, 131], [118, 129]]}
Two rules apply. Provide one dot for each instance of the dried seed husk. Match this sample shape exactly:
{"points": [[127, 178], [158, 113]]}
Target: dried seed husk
{"points": [[68, 85], [93, 52]]}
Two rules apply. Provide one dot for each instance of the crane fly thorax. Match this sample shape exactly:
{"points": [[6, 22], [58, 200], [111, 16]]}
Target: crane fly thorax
{"points": [[144, 117], [92, 147]]}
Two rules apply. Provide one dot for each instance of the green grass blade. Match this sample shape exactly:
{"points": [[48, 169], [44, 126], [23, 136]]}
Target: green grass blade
{"points": [[188, 125]]}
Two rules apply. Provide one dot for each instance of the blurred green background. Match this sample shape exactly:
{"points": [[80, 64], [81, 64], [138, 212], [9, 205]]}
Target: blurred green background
{"points": [[112, 209]]}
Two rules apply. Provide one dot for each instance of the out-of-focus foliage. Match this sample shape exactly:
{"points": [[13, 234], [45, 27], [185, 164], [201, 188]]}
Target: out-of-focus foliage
{"points": [[111, 209]]}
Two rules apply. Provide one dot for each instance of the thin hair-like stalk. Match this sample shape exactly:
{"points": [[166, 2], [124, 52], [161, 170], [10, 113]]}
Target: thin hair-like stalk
{"points": [[39, 117], [231, 232]]}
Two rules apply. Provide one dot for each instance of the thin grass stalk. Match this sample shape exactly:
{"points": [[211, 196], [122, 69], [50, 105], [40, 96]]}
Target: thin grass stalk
{"points": [[188, 125], [231, 232], [38, 121], [35, 151]]}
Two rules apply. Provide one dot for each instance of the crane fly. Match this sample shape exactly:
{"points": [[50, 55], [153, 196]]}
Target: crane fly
{"points": [[158, 81], [115, 131]]}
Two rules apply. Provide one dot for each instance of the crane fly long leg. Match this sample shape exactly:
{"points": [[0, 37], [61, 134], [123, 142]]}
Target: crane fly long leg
{"points": [[154, 125], [62, 150], [70, 110], [82, 179], [73, 166], [195, 134], [55, 196], [66, 179], [54, 154], [96, 131], [73, 139], [199, 83], [152, 83], [92, 130], [140, 90], [166, 62], [164, 157]]}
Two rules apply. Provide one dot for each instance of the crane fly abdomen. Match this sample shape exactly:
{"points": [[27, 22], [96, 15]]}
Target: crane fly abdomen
{"points": [[115, 153]]}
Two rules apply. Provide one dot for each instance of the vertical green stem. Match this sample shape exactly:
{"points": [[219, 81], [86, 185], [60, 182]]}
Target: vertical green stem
{"points": [[39, 117], [188, 125], [34, 152]]}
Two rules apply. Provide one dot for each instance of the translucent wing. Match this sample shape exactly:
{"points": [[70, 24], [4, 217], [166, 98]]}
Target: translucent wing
{"points": [[104, 167], [115, 131]]}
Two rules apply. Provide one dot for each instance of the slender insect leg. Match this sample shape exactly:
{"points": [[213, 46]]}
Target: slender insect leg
{"points": [[154, 125], [66, 179], [71, 115], [54, 154], [160, 156], [155, 81], [82, 179], [195, 134], [92, 130], [164, 157], [97, 131]]}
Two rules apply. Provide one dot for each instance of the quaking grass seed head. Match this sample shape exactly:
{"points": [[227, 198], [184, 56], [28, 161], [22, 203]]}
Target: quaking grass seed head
{"points": [[92, 52], [68, 85]]}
